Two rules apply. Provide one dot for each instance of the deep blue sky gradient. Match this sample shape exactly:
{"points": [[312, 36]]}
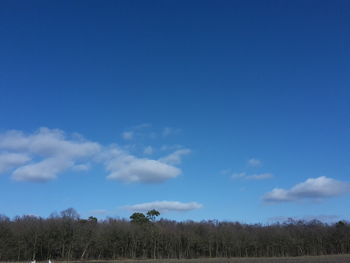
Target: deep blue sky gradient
{"points": [[240, 79]]}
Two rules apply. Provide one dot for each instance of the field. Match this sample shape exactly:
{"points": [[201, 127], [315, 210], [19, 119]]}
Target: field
{"points": [[308, 259]]}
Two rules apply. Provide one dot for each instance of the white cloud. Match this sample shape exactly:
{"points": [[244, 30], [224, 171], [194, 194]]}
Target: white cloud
{"points": [[262, 176], [11, 160], [51, 150], [278, 195], [313, 188], [254, 162], [165, 206], [175, 157], [130, 169], [43, 171], [128, 135], [81, 167], [46, 153], [148, 150], [48, 143]]}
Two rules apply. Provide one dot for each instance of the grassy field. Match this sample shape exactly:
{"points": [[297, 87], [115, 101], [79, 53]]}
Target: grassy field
{"points": [[316, 259], [308, 259]]}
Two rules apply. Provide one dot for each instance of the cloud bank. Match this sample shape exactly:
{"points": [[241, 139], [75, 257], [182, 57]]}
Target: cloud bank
{"points": [[165, 206], [313, 188], [43, 155]]}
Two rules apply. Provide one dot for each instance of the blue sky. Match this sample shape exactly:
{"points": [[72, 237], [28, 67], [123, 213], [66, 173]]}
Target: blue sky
{"points": [[229, 110]]}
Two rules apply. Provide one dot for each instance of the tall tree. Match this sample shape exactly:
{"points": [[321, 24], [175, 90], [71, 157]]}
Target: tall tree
{"points": [[152, 214]]}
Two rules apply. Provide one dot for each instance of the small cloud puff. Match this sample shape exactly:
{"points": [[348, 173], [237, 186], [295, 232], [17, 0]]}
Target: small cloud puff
{"points": [[254, 162], [128, 135]]}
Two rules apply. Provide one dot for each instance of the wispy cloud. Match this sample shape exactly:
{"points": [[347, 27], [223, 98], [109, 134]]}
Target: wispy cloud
{"points": [[175, 157], [81, 167], [167, 131], [142, 126], [128, 135], [238, 175], [148, 150], [171, 147], [165, 206], [254, 162], [137, 131], [243, 175], [313, 188], [226, 171], [262, 176]]}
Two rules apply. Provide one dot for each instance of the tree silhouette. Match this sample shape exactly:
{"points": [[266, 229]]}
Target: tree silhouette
{"points": [[139, 218], [152, 214], [66, 236]]}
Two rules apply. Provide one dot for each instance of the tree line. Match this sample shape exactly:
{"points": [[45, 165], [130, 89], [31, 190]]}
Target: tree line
{"points": [[66, 236]]}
